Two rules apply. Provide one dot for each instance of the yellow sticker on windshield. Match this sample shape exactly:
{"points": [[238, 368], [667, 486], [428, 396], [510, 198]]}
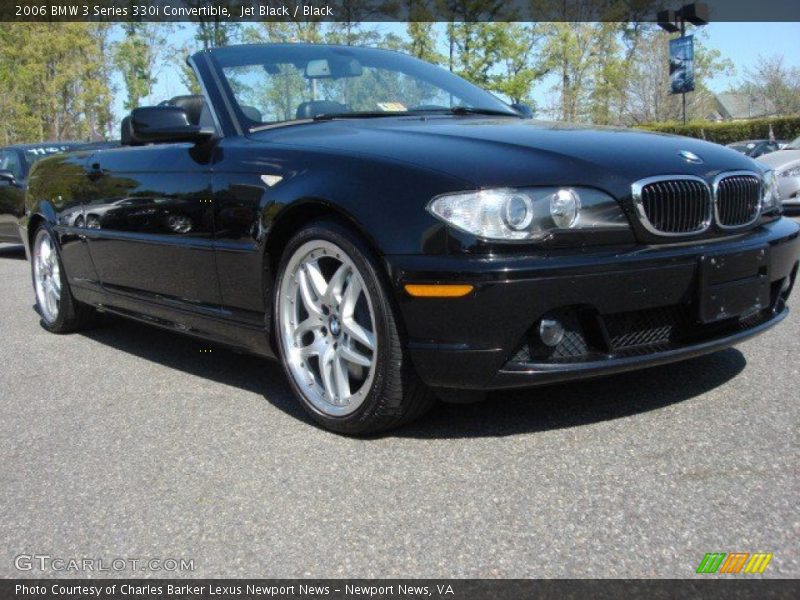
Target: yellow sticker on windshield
{"points": [[392, 106]]}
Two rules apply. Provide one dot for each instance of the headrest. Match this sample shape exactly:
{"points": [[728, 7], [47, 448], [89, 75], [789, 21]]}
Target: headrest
{"points": [[192, 104], [125, 137], [251, 112]]}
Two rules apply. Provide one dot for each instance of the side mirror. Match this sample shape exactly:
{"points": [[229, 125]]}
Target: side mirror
{"points": [[7, 177], [154, 124], [523, 109]]}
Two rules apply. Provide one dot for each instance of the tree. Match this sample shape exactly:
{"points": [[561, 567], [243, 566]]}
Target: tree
{"points": [[422, 42], [479, 48], [136, 57], [186, 74], [519, 62], [215, 32], [284, 32], [97, 91], [421, 31], [570, 52], [648, 97], [59, 90], [348, 32], [771, 79], [462, 16]]}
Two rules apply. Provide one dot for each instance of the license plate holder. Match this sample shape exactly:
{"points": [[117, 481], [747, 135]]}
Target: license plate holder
{"points": [[733, 285]]}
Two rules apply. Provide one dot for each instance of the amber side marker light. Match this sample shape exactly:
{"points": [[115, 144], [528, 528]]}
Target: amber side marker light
{"points": [[438, 291]]}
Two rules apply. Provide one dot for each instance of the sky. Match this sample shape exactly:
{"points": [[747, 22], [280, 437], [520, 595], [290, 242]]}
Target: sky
{"points": [[742, 43]]}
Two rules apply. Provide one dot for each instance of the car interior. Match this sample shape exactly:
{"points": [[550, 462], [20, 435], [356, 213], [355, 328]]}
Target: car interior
{"points": [[197, 112]]}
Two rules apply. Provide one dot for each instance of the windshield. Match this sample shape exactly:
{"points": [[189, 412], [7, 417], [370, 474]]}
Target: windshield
{"points": [[39, 152], [10, 160], [275, 83], [793, 145], [743, 148]]}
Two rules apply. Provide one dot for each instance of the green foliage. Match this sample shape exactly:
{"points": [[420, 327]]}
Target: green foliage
{"points": [[55, 82], [479, 48], [519, 64], [280, 32], [648, 98], [135, 57], [786, 128], [422, 42], [56, 77], [212, 32]]}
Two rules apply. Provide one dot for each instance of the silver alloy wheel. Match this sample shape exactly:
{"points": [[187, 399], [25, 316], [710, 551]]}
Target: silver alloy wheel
{"points": [[327, 328], [46, 276]]}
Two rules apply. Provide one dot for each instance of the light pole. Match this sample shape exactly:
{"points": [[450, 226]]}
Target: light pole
{"points": [[675, 20]]}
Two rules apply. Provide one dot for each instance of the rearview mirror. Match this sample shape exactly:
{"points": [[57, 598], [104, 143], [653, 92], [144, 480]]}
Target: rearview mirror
{"points": [[340, 67], [7, 177], [154, 124], [523, 110]]}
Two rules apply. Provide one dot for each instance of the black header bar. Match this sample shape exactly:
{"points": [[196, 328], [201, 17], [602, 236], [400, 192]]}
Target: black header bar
{"points": [[384, 10], [410, 589]]}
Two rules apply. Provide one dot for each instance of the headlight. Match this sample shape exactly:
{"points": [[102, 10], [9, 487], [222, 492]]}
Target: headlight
{"points": [[771, 202], [793, 172], [528, 214], [565, 208]]}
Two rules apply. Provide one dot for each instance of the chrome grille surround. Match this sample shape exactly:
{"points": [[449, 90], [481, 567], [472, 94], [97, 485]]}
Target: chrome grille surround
{"points": [[732, 201], [692, 217]]}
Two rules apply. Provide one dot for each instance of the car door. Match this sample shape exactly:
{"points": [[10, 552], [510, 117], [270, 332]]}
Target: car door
{"points": [[12, 193], [150, 222]]}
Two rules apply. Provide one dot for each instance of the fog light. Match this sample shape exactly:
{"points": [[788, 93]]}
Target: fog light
{"points": [[787, 282], [551, 332], [565, 208]]}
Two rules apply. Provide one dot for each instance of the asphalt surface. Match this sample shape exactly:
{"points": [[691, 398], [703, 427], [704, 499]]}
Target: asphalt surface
{"points": [[130, 442]]}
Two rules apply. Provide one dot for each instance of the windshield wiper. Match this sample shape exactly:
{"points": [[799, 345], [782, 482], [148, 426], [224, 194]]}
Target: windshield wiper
{"points": [[361, 115], [455, 110], [470, 110]]}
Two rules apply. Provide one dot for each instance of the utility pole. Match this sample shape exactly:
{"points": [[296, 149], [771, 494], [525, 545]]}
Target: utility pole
{"points": [[675, 20], [683, 93]]}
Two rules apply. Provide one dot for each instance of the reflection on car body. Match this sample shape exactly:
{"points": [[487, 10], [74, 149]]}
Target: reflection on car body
{"points": [[15, 164], [146, 215], [756, 148]]}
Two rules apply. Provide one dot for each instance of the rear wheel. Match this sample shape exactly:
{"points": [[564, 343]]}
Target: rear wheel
{"points": [[338, 337], [59, 310]]}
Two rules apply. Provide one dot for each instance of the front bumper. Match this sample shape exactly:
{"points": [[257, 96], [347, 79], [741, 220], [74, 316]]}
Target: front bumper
{"points": [[623, 309]]}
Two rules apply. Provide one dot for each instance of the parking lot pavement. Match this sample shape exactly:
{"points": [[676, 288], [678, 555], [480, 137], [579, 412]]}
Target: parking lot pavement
{"points": [[127, 441]]}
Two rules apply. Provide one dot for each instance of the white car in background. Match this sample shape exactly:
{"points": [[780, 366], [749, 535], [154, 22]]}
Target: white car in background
{"points": [[786, 164]]}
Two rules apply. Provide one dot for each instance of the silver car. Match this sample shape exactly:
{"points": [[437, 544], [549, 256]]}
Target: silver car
{"points": [[786, 164]]}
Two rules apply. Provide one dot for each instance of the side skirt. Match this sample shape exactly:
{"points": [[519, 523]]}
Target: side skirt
{"points": [[208, 323]]}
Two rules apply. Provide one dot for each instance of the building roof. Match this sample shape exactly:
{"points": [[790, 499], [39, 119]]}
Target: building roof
{"points": [[732, 105]]}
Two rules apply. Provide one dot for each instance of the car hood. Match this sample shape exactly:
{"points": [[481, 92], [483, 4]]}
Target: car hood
{"points": [[512, 152], [780, 159]]}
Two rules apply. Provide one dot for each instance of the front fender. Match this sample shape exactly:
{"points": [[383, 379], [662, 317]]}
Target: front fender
{"points": [[383, 198]]}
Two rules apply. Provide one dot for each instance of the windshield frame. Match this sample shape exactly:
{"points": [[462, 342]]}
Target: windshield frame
{"points": [[242, 55]]}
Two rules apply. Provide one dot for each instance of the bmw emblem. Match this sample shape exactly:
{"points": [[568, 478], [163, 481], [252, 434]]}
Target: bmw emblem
{"points": [[690, 157]]}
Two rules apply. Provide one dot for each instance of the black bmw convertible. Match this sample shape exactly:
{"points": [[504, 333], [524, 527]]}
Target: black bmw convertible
{"points": [[393, 234]]}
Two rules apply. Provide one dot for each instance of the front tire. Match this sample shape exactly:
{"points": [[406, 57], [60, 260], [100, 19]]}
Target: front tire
{"points": [[59, 311], [338, 336]]}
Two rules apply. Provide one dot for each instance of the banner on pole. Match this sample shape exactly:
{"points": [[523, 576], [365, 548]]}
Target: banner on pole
{"points": [[681, 65]]}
